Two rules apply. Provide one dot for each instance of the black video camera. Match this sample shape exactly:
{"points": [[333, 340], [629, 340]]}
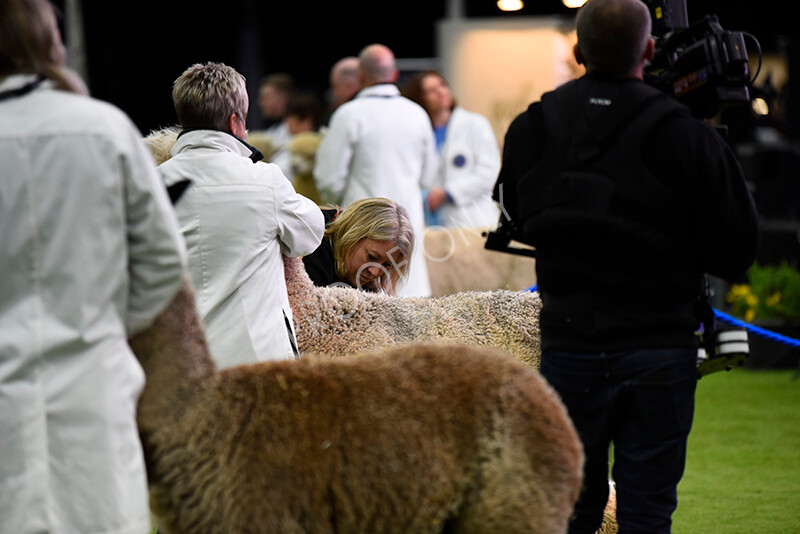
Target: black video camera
{"points": [[702, 65]]}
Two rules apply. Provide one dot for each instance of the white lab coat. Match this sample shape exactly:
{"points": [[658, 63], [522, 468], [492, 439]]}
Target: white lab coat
{"points": [[238, 217], [90, 253], [381, 144], [469, 161]]}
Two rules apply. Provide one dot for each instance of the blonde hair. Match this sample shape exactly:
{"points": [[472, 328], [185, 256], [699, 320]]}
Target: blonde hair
{"points": [[30, 43], [379, 219], [207, 94]]}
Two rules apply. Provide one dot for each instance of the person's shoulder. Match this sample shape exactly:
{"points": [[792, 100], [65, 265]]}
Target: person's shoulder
{"points": [[410, 110], [677, 119], [344, 113], [266, 172], [525, 120], [468, 116], [96, 110], [330, 213], [86, 117], [86, 112]]}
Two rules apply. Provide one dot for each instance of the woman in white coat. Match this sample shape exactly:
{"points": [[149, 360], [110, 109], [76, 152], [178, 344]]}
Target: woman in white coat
{"points": [[90, 253], [469, 157]]}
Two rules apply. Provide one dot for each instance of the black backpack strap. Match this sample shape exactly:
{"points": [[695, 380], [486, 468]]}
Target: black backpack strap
{"points": [[592, 168], [176, 190]]}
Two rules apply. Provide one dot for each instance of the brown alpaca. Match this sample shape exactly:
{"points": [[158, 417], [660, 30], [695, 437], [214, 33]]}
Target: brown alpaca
{"points": [[415, 438]]}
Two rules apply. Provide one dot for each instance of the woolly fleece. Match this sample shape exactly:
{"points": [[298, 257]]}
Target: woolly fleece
{"points": [[416, 438]]}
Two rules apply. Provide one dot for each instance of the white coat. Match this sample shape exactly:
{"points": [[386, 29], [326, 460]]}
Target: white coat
{"points": [[380, 144], [469, 162], [90, 253], [238, 217]]}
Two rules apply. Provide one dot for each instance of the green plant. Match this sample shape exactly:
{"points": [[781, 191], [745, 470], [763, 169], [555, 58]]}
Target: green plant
{"points": [[772, 291]]}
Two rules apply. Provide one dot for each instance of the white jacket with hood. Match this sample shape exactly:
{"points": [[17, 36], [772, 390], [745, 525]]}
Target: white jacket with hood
{"points": [[90, 253], [238, 218]]}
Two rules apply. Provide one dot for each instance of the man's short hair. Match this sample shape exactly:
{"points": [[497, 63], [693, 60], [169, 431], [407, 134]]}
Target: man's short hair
{"points": [[304, 106], [282, 82], [613, 35], [207, 94]]}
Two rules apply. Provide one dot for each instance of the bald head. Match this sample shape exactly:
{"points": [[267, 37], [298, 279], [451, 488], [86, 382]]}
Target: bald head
{"points": [[614, 37], [345, 67], [376, 65], [344, 80]]}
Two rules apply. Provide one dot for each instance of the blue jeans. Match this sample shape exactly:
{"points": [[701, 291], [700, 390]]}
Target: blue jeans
{"points": [[642, 401]]}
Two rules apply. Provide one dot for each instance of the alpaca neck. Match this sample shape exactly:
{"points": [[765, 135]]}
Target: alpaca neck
{"points": [[299, 286], [305, 301], [177, 363]]}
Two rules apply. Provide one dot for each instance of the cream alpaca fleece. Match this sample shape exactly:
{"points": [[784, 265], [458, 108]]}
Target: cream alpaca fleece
{"points": [[337, 321]]}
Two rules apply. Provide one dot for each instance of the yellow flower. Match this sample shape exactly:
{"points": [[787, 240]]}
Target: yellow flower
{"points": [[738, 291], [774, 299], [743, 299]]}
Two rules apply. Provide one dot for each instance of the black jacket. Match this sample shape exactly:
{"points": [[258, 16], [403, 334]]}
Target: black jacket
{"points": [[320, 264], [628, 200]]}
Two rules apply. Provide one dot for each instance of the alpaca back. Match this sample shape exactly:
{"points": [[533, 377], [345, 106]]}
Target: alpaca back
{"points": [[338, 321], [458, 261]]}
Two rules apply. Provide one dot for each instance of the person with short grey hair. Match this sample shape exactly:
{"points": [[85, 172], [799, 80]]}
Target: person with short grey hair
{"points": [[239, 216], [209, 96], [630, 203], [343, 81]]}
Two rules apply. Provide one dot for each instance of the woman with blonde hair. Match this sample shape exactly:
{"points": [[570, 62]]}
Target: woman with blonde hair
{"points": [[366, 246], [91, 253]]}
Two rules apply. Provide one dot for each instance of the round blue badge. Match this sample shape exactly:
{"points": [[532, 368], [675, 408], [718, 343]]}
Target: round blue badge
{"points": [[459, 160]]}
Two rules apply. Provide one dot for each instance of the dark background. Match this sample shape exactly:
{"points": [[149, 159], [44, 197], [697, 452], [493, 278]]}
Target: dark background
{"points": [[135, 50]]}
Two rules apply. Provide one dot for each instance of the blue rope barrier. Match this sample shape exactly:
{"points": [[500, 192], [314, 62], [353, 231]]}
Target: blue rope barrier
{"points": [[780, 338], [757, 329]]}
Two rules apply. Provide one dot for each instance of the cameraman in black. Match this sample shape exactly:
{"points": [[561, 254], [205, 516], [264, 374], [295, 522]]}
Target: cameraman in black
{"points": [[628, 201]]}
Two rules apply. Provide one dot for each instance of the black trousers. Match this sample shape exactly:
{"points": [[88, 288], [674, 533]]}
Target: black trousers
{"points": [[642, 402]]}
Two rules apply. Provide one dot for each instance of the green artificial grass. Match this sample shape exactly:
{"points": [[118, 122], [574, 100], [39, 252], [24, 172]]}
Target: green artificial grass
{"points": [[743, 465]]}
